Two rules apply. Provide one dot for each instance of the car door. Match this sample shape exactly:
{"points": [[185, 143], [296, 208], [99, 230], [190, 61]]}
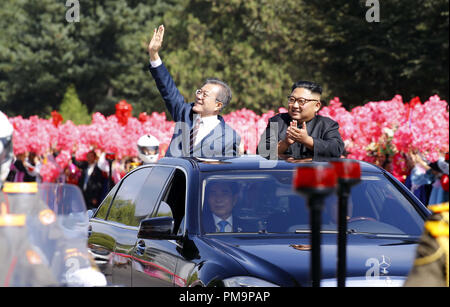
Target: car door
{"points": [[114, 234], [100, 242], [155, 261]]}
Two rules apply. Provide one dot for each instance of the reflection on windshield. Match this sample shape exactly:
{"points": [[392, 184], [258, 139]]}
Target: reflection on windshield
{"points": [[264, 202]]}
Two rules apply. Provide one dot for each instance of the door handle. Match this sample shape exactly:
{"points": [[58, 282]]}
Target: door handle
{"points": [[140, 248], [89, 230]]}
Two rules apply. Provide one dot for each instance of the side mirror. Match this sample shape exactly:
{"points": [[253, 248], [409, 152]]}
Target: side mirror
{"points": [[90, 213], [160, 228]]}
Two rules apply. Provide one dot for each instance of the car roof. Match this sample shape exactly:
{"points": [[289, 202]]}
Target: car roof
{"points": [[249, 162]]}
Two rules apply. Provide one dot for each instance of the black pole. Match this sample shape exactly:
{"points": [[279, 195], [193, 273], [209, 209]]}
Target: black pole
{"points": [[316, 206], [316, 203], [343, 193], [315, 181]]}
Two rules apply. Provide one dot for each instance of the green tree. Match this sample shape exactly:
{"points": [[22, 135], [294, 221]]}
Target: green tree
{"points": [[259, 47], [104, 55], [73, 109]]}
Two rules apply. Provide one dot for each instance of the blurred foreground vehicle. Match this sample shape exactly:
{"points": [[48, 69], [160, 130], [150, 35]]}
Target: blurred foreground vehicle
{"points": [[238, 223], [43, 237]]}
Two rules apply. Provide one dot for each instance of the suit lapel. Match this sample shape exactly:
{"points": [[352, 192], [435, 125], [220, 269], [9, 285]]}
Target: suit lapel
{"points": [[215, 136]]}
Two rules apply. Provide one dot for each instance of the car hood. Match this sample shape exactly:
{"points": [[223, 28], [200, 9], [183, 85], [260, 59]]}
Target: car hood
{"points": [[285, 259]]}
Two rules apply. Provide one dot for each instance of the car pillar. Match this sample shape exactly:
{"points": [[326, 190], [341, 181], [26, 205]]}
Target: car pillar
{"points": [[349, 174], [315, 182], [110, 157]]}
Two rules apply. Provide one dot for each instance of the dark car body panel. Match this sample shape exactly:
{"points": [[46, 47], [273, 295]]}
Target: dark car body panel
{"points": [[197, 259]]}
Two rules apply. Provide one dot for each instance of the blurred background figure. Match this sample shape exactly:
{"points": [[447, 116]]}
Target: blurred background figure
{"points": [[439, 170], [427, 174], [33, 166], [91, 180], [430, 268], [416, 181], [72, 173], [6, 147], [148, 148]]}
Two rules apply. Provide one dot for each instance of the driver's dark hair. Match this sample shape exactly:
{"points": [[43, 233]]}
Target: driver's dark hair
{"points": [[312, 86]]}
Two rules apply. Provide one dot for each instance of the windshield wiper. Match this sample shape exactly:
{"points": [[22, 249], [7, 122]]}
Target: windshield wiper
{"points": [[349, 231]]}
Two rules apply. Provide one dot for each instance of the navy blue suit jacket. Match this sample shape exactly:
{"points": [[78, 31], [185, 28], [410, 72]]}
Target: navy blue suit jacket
{"points": [[221, 141]]}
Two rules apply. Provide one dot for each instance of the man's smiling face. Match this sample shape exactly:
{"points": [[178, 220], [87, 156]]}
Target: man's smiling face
{"points": [[205, 101], [307, 111]]}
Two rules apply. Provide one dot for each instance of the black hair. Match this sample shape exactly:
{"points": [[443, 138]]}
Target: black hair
{"points": [[312, 86]]}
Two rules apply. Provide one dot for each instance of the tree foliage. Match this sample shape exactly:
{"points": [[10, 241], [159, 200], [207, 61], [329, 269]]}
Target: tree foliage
{"points": [[260, 47], [73, 109]]}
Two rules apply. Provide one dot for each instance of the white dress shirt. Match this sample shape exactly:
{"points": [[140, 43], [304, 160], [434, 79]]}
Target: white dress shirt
{"points": [[228, 228], [156, 63], [207, 124]]}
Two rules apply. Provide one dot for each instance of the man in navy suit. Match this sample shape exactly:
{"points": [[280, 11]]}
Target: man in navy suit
{"points": [[199, 131], [220, 199]]}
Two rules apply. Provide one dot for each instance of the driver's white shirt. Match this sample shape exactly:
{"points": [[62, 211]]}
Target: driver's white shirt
{"points": [[228, 228]]}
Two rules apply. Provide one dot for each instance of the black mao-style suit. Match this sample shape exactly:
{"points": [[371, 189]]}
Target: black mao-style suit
{"points": [[325, 132]]}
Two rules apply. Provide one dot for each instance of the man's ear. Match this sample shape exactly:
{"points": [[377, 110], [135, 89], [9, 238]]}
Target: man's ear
{"points": [[318, 105], [219, 106]]}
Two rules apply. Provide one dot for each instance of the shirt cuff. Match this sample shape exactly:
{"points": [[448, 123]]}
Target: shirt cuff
{"points": [[156, 63]]}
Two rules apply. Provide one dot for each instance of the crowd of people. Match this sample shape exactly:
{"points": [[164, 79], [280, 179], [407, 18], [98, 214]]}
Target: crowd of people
{"points": [[429, 181], [92, 175]]}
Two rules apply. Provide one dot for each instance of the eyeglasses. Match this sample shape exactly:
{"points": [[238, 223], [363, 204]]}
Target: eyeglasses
{"points": [[301, 101], [203, 94]]}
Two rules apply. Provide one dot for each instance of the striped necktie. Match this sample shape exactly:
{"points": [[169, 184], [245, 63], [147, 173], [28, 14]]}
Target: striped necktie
{"points": [[194, 132]]}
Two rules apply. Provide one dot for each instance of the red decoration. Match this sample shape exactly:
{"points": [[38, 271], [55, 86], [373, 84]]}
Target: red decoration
{"points": [[445, 182], [143, 117], [123, 112], [315, 177], [347, 170], [56, 118], [415, 101]]}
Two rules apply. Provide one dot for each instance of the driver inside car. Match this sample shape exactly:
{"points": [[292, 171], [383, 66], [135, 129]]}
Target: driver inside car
{"points": [[221, 198]]}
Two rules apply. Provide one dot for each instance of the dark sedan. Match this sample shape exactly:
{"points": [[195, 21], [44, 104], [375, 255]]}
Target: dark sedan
{"points": [[238, 222]]}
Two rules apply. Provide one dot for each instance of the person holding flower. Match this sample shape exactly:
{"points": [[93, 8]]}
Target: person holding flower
{"points": [[200, 130], [302, 133]]}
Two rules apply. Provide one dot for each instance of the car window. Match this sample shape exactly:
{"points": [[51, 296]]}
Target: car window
{"points": [[124, 204], [164, 210], [265, 202], [104, 206], [151, 192], [175, 200]]}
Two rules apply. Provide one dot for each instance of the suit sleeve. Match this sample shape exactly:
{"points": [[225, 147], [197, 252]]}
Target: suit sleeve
{"points": [[175, 102], [268, 143], [331, 144]]}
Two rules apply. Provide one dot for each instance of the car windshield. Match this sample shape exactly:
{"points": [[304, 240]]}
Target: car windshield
{"points": [[264, 202]]}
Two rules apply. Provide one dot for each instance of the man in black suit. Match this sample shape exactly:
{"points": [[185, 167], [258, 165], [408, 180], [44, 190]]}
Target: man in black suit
{"points": [[91, 180], [302, 133], [200, 130], [221, 198]]}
